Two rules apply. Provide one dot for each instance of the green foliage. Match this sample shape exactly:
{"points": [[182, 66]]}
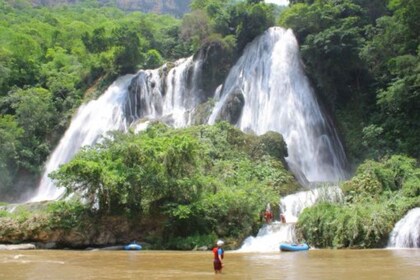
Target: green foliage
{"points": [[366, 182], [153, 59], [195, 28], [4, 213], [377, 197], [127, 49], [363, 58], [373, 141], [373, 178], [10, 134], [33, 112], [244, 20], [97, 42], [129, 177], [330, 34], [49, 56], [251, 21], [357, 226], [65, 49], [65, 214], [203, 181], [411, 186], [392, 54], [21, 214]]}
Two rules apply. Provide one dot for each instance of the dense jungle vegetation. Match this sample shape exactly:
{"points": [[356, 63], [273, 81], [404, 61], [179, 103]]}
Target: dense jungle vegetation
{"points": [[53, 58], [362, 57]]}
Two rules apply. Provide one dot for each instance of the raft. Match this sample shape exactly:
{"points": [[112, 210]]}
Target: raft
{"points": [[132, 246], [293, 247]]}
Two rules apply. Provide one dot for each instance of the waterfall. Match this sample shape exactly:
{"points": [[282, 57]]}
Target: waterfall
{"points": [[150, 94], [292, 205], [166, 95], [277, 96], [265, 90], [406, 233], [270, 236], [91, 121]]}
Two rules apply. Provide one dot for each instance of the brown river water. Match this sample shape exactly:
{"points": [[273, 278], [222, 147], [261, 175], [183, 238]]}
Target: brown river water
{"points": [[313, 264]]}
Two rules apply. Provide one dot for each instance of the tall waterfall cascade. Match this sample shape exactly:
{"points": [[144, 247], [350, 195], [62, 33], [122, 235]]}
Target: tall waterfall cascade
{"points": [[273, 93], [270, 236], [131, 101], [91, 121], [278, 97], [406, 233]]}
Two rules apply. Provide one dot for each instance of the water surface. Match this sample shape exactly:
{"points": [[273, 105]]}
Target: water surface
{"points": [[312, 264]]}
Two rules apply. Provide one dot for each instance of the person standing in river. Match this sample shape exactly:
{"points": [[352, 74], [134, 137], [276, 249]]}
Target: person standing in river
{"points": [[218, 254]]}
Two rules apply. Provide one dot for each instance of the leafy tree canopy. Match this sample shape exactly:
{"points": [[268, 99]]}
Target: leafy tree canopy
{"points": [[202, 180]]}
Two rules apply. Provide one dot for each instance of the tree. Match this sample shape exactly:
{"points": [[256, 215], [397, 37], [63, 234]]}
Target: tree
{"points": [[126, 45], [97, 42], [195, 28], [34, 112], [130, 174], [252, 21], [153, 59], [10, 137], [392, 55]]}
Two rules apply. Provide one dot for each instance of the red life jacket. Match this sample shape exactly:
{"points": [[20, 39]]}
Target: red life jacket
{"points": [[216, 253]]}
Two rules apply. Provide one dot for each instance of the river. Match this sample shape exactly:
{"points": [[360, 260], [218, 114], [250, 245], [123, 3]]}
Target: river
{"points": [[313, 264]]}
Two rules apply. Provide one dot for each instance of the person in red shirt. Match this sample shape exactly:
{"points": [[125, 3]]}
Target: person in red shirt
{"points": [[268, 215], [218, 254]]}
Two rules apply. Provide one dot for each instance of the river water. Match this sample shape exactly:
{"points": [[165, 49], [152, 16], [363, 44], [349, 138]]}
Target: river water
{"points": [[313, 264]]}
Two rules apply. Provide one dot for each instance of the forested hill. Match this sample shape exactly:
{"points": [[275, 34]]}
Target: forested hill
{"points": [[173, 7], [54, 57]]}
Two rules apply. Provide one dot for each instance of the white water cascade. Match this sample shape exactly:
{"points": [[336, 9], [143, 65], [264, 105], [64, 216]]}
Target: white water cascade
{"points": [[131, 99], [91, 121], [406, 233], [278, 97], [168, 98], [270, 236]]}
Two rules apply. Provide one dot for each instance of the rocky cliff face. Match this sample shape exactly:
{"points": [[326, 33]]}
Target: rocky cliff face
{"points": [[173, 7]]}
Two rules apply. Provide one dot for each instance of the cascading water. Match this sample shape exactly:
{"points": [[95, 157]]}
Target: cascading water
{"points": [[292, 205], [268, 91], [406, 233], [270, 236], [90, 122], [150, 94], [269, 82], [278, 97], [170, 98]]}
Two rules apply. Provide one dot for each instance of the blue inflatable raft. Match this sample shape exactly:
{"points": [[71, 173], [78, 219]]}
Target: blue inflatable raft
{"points": [[132, 246], [293, 247]]}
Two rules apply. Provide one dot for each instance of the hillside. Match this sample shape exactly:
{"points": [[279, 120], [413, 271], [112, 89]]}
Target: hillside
{"points": [[173, 7]]}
